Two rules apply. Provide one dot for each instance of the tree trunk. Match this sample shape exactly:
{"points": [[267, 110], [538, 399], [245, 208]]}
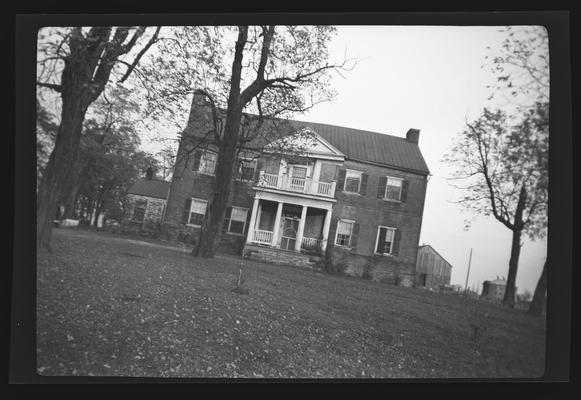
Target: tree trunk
{"points": [[216, 209], [227, 159], [70, 201], [97, 214], [58, 172], [510, 291], [537, 307]]}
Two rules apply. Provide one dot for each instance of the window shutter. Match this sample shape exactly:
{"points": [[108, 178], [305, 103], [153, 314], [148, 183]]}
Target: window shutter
{"points": [[396, 241], [197, 157], [258, 168], [363, 187], [248, 215], [227, 219], [187, 207], [354, 236], [404, 190], [340, 179], [381, 187], [333, 230], [381, 241]]}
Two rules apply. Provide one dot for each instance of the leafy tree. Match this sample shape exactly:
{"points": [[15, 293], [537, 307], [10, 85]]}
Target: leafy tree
{"points": [[270, 73], [521, 67], [77, 63], [110, 159]]}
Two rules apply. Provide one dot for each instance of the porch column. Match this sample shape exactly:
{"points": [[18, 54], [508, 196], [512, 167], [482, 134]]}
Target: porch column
{"points": [[326, 226], [250, 237], [301, 229], [277, 224]]}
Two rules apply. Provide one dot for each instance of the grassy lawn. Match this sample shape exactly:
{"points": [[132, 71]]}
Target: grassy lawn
{"points": [[114, 307]]}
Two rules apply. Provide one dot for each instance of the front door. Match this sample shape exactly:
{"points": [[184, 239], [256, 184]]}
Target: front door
{"points": [[288, 239]]}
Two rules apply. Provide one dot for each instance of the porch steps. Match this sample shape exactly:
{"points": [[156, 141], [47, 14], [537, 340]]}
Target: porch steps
{"points": [[279, 257]]}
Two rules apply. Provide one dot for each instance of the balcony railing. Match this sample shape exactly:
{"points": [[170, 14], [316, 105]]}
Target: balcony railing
{"points": [[299, 185]]}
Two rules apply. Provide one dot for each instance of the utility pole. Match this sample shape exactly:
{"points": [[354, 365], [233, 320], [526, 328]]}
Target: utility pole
{"points": [[468, 273]]}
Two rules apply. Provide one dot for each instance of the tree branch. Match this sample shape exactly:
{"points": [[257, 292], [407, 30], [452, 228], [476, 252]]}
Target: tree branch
{"points": [[152, 40], [52, 86]]}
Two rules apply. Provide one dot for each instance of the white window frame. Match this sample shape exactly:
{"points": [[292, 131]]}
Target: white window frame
{"points": [[400, 188], [191, 207], [352, 172], [392, 229], [349, 221], [202, 169], [243, 221]]}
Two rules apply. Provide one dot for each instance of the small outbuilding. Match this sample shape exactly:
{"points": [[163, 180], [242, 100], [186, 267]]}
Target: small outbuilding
{"points": [[494, 290], [147, 199], [432, 270]]}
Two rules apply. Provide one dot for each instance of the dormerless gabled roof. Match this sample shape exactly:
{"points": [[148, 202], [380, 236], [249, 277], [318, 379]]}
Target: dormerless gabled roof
{"points": [[366, 146], [359, 145], [150, 188]]}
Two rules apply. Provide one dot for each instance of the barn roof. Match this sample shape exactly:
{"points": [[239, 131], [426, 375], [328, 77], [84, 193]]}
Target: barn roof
{"points": [[501, 282], [150, 188], [435, 251]]}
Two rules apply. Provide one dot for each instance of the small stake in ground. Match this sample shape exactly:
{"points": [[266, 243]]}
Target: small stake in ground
{"points": [[239, 282]]}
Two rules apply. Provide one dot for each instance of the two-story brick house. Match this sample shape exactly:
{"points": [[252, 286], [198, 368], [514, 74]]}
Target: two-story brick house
{"points": [[354, 196]]}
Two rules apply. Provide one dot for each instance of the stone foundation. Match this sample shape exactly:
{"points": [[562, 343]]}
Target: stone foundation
{"points": [[279, 257]]}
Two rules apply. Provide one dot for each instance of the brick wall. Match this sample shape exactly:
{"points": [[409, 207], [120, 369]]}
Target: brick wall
{"points": [[369, 212], [187, 183]]}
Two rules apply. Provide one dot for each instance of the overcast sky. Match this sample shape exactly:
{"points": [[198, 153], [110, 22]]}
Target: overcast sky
{"points": [[429, 78]]}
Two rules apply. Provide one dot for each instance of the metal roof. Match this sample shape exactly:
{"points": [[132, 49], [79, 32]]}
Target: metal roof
{"points": [[150, 188], [374, 147]]}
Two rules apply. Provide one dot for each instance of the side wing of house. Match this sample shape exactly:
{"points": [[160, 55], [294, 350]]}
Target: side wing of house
{"points": [[377, 220]]}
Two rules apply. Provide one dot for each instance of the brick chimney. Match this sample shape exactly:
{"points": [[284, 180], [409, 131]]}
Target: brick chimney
{"points": [[149, 174], [412, 136]]}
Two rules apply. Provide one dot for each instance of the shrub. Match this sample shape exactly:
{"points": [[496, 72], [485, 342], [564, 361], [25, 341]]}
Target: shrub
{"points": [[367, 272]]}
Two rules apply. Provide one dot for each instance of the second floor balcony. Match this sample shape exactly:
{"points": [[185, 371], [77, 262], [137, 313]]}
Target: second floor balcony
{"points": [[298, 185]]}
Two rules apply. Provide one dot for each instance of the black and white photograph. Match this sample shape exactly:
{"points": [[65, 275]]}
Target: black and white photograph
{"points": [[292, 201]]}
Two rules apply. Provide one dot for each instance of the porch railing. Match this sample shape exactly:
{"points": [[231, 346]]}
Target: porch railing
{"points": [[311, 244], [299, 185], [264, 237]]}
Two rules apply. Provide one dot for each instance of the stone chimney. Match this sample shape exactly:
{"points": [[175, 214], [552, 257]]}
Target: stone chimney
{"points": [[412, 136]]}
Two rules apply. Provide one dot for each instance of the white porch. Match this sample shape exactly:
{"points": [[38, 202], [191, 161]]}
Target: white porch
{"points": [[288, 223]]}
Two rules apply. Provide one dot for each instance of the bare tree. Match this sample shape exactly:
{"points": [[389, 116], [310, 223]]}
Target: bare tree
{"points": [[77, 64], [522, 71], [506, 170]]}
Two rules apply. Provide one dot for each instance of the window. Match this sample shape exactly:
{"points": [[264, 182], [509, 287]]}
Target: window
{"points": [[208, 163], [139, 210], [299, 172], [385, 239], [247, 168], [393, 188], [352, 181], [237, 221], [197, 212], [344, 233]]}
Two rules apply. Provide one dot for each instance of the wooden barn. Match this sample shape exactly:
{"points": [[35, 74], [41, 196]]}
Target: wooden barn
{"points": [[432, 270]]}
